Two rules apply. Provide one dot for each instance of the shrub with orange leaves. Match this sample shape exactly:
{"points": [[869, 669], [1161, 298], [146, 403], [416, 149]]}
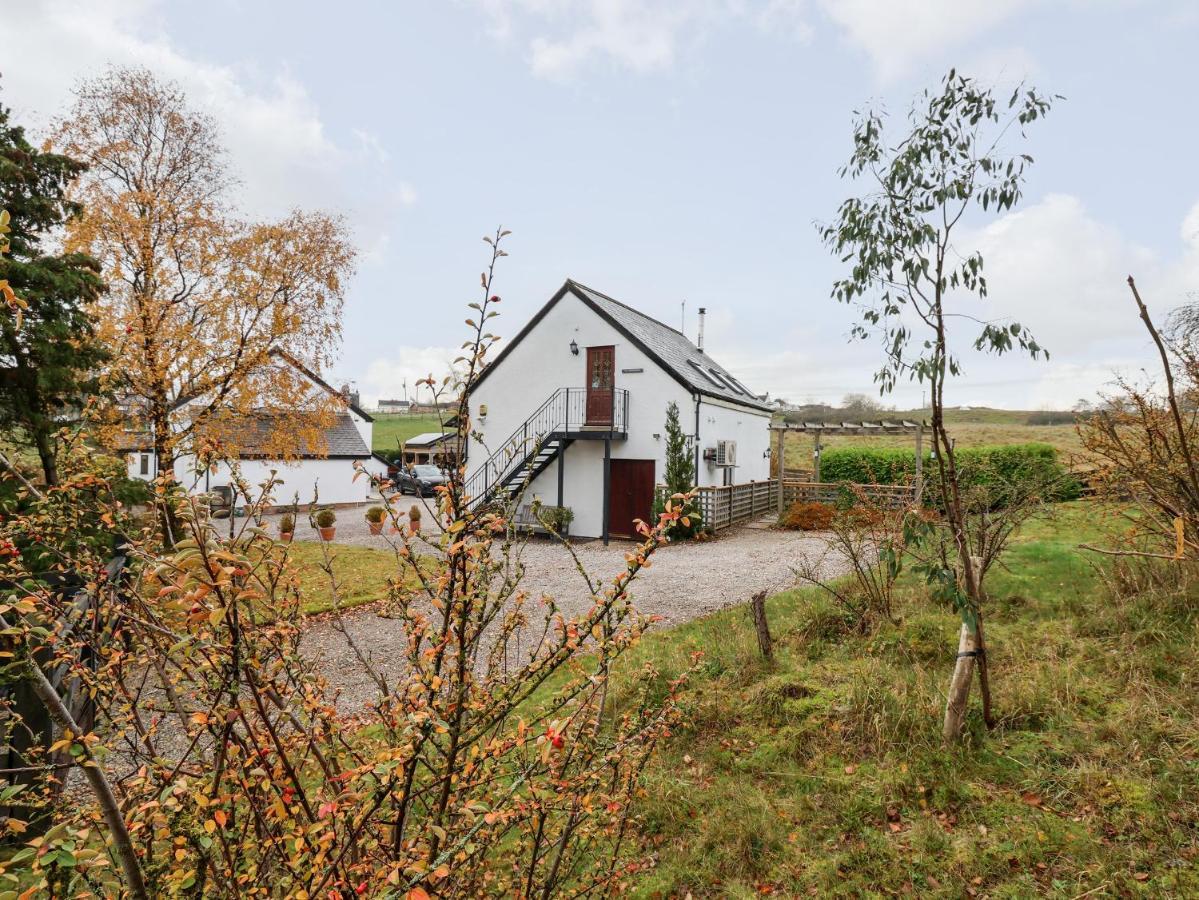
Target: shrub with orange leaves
{"points": [[808, 516], [494, 760]]}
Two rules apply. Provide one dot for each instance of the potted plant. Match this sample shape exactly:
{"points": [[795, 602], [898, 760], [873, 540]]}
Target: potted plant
{"points": [[414, 518], [374, 517], [287, 528], [325, 519], [557, 519]]}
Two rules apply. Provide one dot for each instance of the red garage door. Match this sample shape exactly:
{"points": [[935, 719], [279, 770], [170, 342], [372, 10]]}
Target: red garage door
{"points": [[631, 496]]}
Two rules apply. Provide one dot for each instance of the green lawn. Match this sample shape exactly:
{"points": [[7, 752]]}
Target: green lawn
{"points": [[824, 773], [392, 429], [363, 574]]}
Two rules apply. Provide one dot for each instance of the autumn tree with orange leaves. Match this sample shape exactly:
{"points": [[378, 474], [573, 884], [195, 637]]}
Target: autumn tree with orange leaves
{"points": [[500, 751], [201, 301]]}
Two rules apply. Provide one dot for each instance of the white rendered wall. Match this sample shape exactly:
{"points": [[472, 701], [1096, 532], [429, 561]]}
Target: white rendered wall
{"points": [[332, 480], [720, 421], [542, 362]]}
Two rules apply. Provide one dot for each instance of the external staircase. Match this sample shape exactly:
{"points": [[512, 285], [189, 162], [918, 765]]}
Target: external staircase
{"points": [[542, 438]]}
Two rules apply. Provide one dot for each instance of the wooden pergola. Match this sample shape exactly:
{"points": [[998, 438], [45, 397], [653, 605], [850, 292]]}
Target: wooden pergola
{"points": [[820, 429]]}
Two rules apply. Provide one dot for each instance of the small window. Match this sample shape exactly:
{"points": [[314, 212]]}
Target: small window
{"points": [[145, 464], [723, 380], [706, 375], [738, 385]]}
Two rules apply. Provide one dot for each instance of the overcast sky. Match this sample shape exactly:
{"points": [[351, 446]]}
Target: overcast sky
{"points": [[671, 151]]}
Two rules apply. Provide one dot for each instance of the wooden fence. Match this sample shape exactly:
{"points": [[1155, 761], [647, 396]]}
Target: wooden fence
{"points": [[727, 505], [889, 495]]}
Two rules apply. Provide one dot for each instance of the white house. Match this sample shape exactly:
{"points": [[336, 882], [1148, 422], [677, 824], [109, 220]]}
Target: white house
{"points": [[576, 404], [326, 470]]}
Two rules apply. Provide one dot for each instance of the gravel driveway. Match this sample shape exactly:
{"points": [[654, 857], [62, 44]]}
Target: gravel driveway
{"points": [[685, 581]]}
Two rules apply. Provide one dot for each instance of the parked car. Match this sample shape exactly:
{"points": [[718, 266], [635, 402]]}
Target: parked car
{"points": [[420, 480]]}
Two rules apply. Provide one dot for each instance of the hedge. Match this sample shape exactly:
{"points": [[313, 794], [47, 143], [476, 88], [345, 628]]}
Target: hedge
{"points": [[998, 467]]}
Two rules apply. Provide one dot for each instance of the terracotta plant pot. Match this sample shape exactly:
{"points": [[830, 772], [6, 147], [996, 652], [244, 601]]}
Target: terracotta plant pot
{"points": [[376, 527], [327, 533], [286, 536]]}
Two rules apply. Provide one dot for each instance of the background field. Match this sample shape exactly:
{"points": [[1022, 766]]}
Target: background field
{"points": [[392, 429], [978, 427]]}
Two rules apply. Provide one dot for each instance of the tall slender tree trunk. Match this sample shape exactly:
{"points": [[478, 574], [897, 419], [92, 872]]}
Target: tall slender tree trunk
{"points": [[164, 461], [971, 650], [45, 452], [971, 656]]}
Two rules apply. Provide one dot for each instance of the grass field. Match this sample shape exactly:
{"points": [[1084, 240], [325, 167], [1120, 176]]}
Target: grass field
{"points": [[392, 429], [824, 773], [970, 428]]}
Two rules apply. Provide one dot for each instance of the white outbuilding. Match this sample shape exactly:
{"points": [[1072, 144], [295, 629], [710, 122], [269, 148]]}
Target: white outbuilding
{"points": [[323, 468], [575, 406]]}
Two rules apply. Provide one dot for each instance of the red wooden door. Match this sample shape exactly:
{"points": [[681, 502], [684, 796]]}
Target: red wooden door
{"points": [[601, 362], [631, 495]]}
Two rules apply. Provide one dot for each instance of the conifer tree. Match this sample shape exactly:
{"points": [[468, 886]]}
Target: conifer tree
{"points": [[679, 476], [49, 353]]}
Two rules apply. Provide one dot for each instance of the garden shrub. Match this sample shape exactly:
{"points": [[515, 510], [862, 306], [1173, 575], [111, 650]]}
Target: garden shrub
{"points": [[1000, 470], [804, 515]]}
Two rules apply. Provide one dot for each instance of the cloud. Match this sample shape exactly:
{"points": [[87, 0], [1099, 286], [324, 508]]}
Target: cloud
{"points": [[1052, 266], [389, 378], [897, 33], [405, 194], [278, 143], [635, 35], [371, 143], [566, 37]]}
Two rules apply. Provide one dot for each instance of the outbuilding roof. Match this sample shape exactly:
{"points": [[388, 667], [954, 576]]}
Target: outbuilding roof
{"points": [[428, 439], [668, 347], [340, 439]]}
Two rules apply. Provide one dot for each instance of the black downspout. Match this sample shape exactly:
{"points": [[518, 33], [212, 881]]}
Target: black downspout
{"points": [[607, 488], [697, 448], [561, 467]]}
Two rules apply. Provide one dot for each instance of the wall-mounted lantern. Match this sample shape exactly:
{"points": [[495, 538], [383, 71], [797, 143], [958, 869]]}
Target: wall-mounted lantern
{"points": [[574, 347]]}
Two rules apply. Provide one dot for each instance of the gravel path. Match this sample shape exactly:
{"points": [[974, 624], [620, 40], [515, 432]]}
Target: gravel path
{"points": [[684, 581]]}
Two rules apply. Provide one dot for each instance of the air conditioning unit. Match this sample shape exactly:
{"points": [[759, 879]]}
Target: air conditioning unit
{"points": [[726, 453]]}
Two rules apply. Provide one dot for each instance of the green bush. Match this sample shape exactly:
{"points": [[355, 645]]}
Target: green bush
{"points": [[1000, 470]]}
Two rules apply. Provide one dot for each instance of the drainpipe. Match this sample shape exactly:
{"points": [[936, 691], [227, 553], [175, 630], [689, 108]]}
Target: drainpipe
{"points": [[697, 447], [607, 486]]}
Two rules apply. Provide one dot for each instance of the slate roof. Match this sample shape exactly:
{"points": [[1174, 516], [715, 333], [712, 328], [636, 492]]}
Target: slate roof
{"points": [[668, 347], [341, 439]]}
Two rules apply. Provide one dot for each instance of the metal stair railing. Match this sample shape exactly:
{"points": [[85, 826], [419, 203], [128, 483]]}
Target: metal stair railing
{"points": [[564, 409]]}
